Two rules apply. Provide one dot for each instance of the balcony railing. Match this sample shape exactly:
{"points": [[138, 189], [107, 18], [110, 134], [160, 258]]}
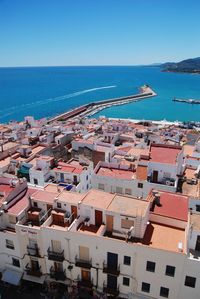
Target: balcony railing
{"points": [[33, 250], [33, 271], [82, 283], [57, 274], [83, 263], [111, 270], [110, 290], [55, 256]]}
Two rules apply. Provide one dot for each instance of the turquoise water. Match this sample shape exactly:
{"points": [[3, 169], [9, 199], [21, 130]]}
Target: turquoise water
{"points": [[51, 90]]}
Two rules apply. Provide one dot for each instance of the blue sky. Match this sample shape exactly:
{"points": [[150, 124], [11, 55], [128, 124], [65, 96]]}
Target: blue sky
{"points": [[98, 32]]}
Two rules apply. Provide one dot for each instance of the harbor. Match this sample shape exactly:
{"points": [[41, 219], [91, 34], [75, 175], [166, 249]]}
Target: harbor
{"points": [[92, 108]]}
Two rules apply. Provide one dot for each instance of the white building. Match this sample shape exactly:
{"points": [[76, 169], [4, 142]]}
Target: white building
{"points": [[76, 174], [111, 243]]}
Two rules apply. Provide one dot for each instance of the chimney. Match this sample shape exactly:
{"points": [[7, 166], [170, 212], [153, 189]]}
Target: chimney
{"points": [[156, 201]]}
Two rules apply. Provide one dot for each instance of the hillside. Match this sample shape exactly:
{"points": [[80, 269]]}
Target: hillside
{"points": [[186, 66]]}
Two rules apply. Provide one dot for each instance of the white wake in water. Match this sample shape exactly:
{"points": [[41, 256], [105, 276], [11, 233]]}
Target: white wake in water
{"points": [[12, 110]]}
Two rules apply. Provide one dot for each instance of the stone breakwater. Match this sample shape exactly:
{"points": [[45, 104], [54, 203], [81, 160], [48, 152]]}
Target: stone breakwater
{"points": [[94, 107]]}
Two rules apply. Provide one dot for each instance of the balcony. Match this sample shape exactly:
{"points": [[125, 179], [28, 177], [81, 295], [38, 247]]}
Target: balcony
{"points": [[165, 181], [33, 271], [110, 290], [82, 283], [111, 270], [57, 275], [33, 250], [83, 263], [55, 256]]}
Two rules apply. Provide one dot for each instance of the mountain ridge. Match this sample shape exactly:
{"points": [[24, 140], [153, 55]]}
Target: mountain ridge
{"points": [[191, 65]]}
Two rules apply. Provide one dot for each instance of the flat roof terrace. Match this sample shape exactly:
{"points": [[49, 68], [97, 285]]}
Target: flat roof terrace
{"points": [[162, 153], [122, 174], [160, 237], [128, 206], [164, 237]]}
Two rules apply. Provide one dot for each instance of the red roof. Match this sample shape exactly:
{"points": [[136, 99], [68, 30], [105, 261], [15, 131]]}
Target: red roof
{"points": [[172, 206], [164, 153], [64, 167], [116, 173], [22, 204]]}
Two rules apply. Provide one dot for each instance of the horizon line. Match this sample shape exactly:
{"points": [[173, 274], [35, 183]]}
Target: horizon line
{"points": [[85, 65]]}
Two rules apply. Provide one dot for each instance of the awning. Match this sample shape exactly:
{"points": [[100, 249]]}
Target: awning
{"points": [[12, 277], [36, 279]]}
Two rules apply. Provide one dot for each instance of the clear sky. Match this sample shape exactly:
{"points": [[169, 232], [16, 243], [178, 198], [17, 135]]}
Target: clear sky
{"points": [[98, 32]]}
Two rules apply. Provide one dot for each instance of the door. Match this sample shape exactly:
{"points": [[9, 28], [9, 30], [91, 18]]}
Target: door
{"points": [[75, 180], [112, 260], [198, 244], [62, 179], [109, 223], [74, 212], [85, 275], [155, 176], [34, 265], [56, 246], [98, 218], [112, 282], [58, 267], [84, 253]]}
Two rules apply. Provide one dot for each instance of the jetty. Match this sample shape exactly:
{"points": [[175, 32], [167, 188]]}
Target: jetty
{"points": [[94, 107], [188, 101]]}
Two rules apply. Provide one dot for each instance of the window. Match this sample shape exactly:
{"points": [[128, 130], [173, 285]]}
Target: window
{"points": [[128, 191], [126, 223], [35, 204], [140, 185], [59, 205], [127, 260], [87, 178], [150, 266], [198, 208], [101, 186], [126, 281], [170, 271], [119, 190], [190, 281], [35, 181], [145, 287], [164, 292], [15, 262], [10, 244]]}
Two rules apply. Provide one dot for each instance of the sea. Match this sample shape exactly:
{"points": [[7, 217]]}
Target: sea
{"points": [[48, 91]]}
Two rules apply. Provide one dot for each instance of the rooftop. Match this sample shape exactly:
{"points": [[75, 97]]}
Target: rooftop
{"points": [[164, 153], [44, 196], [195, 221], [191, 190], [123, 174], [37, 149], [22, 204], [66, 167], [164, 237], [172, 206], [98, 199], [70, 197], [129, 206], [141, 172]]}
